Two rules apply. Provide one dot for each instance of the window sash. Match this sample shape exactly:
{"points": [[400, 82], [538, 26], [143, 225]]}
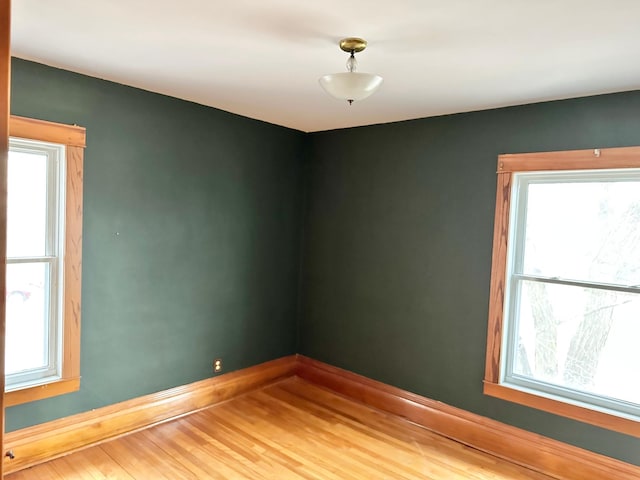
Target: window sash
{"points": [[55, 154], [552, 389], [53, 327], [515, 278], [54, 252]]}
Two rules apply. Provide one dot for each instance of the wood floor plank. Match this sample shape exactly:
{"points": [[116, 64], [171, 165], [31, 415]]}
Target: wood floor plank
{"points": [[276, 435], [327, 441], [371, 441], [365, 442], [95, 465], [138, 458], [383, 428], [200, 460], [291, 430]]}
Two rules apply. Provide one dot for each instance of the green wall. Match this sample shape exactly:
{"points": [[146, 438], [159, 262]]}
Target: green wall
{"points": [[192, 220], [397, 251], [208, 207]]}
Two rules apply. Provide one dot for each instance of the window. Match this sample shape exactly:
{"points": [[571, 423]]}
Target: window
{"points": [[44, 246], [564, 315]]}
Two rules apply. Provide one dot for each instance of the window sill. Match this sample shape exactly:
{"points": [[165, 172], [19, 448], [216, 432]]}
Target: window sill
{"points": [[558, 407], [41, 391]]}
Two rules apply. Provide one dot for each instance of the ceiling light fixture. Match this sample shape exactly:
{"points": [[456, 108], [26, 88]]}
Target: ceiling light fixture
{"points": [[351, 85]]}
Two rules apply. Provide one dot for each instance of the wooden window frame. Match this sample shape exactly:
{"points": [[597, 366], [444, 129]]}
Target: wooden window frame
{"points": [[74, 138], [606, 158]]}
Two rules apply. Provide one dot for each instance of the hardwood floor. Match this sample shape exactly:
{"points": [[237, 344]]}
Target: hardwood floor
{"points": [[290, 430]]}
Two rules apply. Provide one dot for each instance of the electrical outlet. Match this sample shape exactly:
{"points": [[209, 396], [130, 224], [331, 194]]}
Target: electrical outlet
{"points": [[217, 365]]}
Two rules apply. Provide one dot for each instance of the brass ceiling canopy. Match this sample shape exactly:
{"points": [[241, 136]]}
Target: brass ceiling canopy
{"points": [[353, 44], [351, 85]]}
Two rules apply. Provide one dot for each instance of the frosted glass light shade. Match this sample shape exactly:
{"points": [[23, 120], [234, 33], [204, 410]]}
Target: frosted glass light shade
{"points": [[350, 86]]}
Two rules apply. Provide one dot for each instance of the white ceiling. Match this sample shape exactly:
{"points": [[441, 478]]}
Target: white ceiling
{"points": [[262, 58]]}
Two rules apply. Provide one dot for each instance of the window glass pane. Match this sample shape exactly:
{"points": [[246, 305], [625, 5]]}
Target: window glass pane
{"points": [[27, 204], [584, 231], [580, 338], [27, 317]]}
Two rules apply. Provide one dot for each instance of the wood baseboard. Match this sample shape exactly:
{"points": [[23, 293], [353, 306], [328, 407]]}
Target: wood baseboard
{"points": [[542, 454], [40, 443]]}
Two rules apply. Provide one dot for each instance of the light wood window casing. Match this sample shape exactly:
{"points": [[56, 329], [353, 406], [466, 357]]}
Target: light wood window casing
{"points": [[508, 165], [73, 138]]}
